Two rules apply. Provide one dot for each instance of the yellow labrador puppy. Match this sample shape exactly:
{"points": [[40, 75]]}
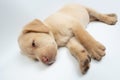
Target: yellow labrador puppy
{"points": [[39, 40]]}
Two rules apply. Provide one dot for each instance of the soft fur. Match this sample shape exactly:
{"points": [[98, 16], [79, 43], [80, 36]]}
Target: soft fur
{"points": [[40, 40]]}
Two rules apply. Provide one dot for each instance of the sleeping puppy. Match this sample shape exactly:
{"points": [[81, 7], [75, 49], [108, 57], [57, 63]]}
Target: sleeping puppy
{"points": [[40, 40]]}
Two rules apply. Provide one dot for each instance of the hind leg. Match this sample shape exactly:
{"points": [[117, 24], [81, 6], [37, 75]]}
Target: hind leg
{"points": [[80, 53], [110, 19]]}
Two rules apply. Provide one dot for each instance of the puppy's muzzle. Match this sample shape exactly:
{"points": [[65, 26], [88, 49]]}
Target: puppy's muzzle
{"points": [[46, 60]]}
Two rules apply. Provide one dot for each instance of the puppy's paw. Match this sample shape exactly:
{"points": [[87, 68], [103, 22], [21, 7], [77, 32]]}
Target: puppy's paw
{"points": [[112, 18], [84, 68], [85, 60], [112, 15], [97, 51]]}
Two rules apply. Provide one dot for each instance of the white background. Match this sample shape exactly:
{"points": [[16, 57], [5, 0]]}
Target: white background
{"points": [[14, 14]]}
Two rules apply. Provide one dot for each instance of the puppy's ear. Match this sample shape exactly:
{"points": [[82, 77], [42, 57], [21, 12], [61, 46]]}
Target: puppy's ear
{"points": [[35, 26]]}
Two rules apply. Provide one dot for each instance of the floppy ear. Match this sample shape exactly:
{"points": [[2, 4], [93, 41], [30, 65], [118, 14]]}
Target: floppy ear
{"points": [[35, 26]]}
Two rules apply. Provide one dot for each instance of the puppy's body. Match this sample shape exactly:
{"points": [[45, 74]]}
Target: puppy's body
{"points": [[66, 27], [62, 22]]}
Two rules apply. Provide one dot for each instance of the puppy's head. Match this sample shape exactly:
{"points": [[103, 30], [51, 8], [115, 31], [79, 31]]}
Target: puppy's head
{"points": [[37, 42]]}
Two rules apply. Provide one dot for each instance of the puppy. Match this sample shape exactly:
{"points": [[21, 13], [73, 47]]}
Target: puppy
{"points": [[40, 40]]}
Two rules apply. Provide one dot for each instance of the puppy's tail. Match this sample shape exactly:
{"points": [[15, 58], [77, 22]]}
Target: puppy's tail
{"points": [[110, 19]]}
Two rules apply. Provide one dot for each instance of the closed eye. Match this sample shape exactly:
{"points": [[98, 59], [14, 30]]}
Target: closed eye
{"points": [[33, 43]]}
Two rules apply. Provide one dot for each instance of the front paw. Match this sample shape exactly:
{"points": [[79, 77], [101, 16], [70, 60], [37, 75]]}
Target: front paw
{"points": [[97, 51], [85, 62]]}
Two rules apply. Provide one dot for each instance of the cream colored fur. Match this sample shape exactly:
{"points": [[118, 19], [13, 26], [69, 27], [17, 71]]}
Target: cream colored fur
{"points": [[39, 40]]}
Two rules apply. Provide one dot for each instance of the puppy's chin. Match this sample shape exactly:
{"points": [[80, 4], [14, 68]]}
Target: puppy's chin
{"points": [[50, 63]]}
